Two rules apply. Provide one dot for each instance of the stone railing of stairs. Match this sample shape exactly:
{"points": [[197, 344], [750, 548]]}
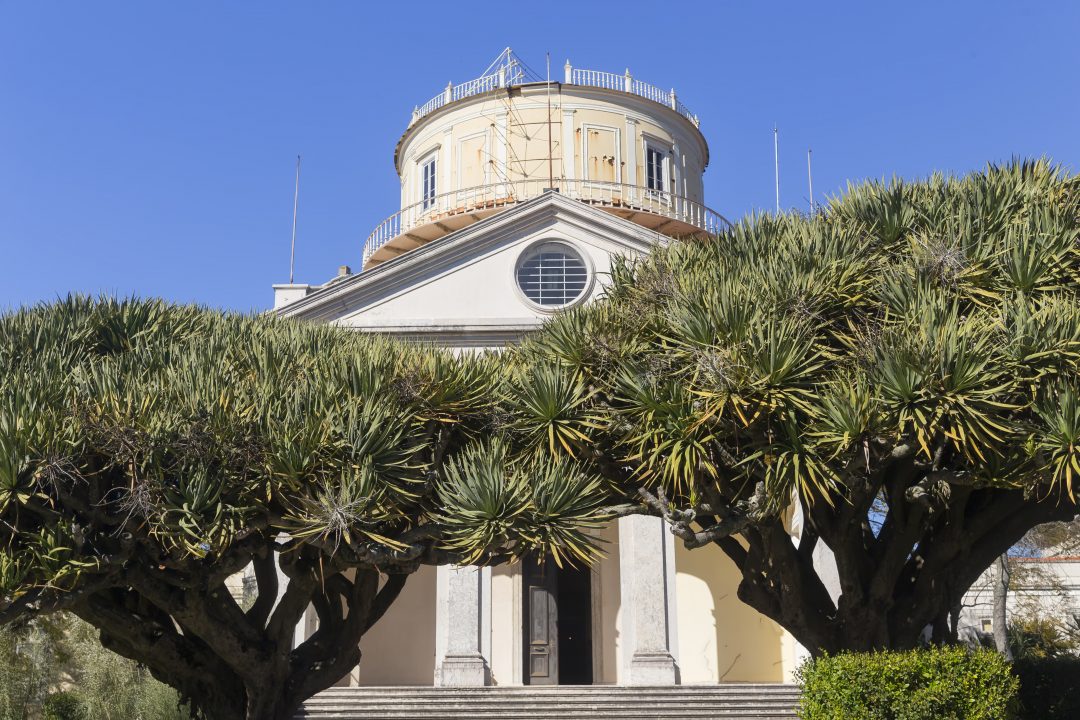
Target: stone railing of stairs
{"points": [[596, 702]]}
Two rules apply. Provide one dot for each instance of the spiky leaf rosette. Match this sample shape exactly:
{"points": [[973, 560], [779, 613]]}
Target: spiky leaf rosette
{"points": [[150, 451], [896, 374]]}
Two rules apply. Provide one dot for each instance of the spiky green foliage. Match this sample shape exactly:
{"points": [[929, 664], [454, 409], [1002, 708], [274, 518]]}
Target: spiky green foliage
{"points": [[148, 452], [899, 372]]}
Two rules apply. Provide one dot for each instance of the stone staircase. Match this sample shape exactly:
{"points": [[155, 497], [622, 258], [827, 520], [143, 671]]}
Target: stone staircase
{"points": [[596, 702]]}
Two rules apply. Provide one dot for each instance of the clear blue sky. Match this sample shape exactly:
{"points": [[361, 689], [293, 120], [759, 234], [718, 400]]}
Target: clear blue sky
{"points": [[149, 148]]}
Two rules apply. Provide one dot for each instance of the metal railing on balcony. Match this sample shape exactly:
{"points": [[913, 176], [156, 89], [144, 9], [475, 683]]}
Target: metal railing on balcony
{"points": [[511, 71], [485, 199]]}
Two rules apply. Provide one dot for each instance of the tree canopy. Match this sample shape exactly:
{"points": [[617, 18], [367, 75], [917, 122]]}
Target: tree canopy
{"points": [[895, 378], [148, 452]]}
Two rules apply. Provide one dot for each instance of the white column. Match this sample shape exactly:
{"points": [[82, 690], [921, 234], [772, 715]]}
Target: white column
{"points": [[568, 149], [676, 171], [502, 139], [447, 168], [632, 143], [460, 624], [647, 570]]}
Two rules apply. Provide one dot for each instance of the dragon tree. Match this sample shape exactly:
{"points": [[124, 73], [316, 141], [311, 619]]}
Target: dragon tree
{"points": [[149, 452], [862, 408]]}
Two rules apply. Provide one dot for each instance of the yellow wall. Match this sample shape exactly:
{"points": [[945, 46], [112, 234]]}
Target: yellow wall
{"points": [[506, 624], [400, 649], [606, 603], [720, 638], [500, 137]]}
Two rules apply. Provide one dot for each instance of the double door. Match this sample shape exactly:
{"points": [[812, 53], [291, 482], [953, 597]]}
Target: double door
{"points": [[557, 629]]}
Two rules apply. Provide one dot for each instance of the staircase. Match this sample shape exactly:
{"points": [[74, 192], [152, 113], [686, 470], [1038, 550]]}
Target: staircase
{"points": [[596, 702]]}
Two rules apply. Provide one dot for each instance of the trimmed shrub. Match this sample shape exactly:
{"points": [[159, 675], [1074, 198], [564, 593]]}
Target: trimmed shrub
{"points": [[1048, 688], [952, 683]]}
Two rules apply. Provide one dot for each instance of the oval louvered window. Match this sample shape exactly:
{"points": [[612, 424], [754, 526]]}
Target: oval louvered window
{"points": [[552, 275]]}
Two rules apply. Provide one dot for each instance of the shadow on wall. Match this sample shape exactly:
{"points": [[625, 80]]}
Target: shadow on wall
{"points": [[721, 639], [400, 649]]}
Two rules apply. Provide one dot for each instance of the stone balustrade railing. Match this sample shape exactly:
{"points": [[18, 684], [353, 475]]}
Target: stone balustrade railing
{"points": [[500, 195], [507, 77]]}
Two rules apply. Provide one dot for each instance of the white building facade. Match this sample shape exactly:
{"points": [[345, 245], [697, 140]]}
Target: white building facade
{"points": [[515, 196]]}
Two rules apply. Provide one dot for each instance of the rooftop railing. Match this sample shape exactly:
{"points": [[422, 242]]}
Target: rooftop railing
{"points": [[485, 199], [508, 76]]}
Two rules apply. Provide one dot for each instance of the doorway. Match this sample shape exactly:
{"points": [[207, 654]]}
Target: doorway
{"points": [[557, 618]]}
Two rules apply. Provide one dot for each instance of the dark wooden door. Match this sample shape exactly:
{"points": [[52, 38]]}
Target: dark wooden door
{"points": [[541, 587]]}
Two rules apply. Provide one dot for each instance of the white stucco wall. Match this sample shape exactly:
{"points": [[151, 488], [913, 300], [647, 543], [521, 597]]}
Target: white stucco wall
{"points": [[721, 639], [1044, 587], [400, 649]]}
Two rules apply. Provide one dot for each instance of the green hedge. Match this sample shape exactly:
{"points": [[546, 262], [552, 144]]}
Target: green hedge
{"points": [[951, 683], [1049, 688]]}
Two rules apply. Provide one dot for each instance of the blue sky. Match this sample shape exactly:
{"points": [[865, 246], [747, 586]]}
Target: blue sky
{"points": [[149, 148]]}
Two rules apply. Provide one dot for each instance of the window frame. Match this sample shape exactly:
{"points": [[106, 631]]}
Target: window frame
{"points": [[664, 153], [566, 247], [423, 179], [585, 128]]}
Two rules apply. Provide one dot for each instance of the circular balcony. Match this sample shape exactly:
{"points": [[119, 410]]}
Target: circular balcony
{"points": [[423, 222]]}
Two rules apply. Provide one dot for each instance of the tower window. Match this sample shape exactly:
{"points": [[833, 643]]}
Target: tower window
{"points": [[654, 168], [552, 275], [427, 189]]}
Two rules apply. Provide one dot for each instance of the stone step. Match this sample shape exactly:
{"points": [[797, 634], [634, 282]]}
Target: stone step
{"points": [[639, 713], [561, 693], [636, 712], [730, 700], [688, 687]]}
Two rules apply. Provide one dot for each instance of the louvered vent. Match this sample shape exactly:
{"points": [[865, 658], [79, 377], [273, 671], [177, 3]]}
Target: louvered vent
{"points": [[552, 275]]}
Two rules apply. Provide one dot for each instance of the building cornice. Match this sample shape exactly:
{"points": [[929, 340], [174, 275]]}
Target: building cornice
{"points": [[420, 265]]}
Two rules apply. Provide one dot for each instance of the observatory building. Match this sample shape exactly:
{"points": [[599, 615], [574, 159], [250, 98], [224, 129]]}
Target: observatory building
{"points": [[516, 193]]}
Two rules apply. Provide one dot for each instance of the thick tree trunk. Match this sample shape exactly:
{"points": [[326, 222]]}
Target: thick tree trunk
{"points": [[1002, 575], [897, 582], [236, 665]]}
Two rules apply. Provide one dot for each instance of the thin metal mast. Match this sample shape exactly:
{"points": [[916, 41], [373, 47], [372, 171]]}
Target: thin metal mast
{"points": [[295, 203], [551, 160], [810, 178], [776, 162]]}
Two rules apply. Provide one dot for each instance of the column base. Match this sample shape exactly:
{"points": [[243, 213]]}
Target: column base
{"points": [[653, 669], [463, 671]]}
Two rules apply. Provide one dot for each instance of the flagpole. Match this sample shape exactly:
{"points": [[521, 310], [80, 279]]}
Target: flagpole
{"points": [[776, 161], [295, 204]]}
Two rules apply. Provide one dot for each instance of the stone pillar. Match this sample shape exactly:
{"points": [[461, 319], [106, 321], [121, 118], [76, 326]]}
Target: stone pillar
{"points": [[569, 148], [647, 572], [460, 623], [446, 161], [501, 140], [632, 147]]}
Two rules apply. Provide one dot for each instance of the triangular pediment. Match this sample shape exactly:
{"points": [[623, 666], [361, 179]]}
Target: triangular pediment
{"points": [[462, 289]]}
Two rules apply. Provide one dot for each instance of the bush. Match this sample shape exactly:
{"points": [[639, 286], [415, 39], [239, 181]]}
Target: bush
{"points": [[1038, 638], [39, 658], [62, 706], [952, 683], [1048, 688]]}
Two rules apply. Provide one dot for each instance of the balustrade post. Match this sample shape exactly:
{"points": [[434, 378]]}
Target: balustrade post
{"points": [[502, 76], [568, 72], [449, 92], [628, 82], [674, 104]]}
